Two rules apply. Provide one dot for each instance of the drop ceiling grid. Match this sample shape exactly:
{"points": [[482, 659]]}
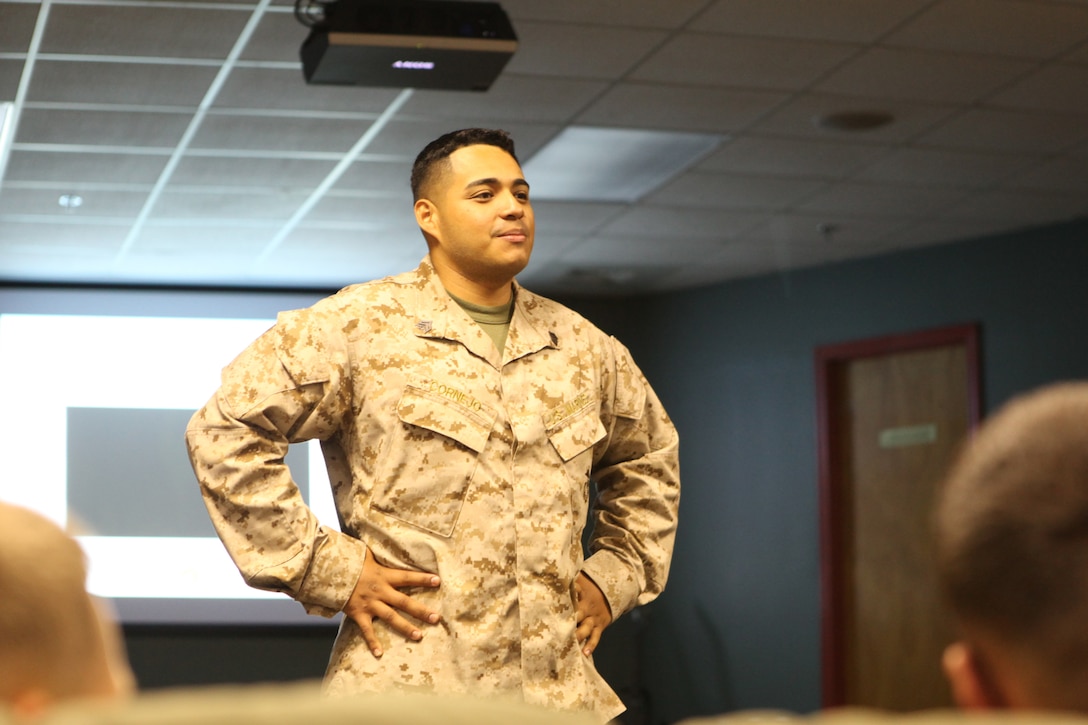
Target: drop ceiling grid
{"points": [[979, 119]]}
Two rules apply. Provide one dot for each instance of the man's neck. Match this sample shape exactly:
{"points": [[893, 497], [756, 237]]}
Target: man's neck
{"points": [[486, 295]]}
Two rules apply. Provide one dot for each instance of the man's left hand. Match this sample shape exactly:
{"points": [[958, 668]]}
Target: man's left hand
{"points": [[593, 613]]}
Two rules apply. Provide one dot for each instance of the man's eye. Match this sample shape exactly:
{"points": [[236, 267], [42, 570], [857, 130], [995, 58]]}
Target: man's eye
{"points": [[483, 195]]}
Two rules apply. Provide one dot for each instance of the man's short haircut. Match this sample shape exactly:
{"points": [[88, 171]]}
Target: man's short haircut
{"points": [[434, 158], [1012, 528]]}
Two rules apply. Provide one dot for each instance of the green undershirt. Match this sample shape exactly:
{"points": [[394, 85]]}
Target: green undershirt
{"points": [[495, 321]]}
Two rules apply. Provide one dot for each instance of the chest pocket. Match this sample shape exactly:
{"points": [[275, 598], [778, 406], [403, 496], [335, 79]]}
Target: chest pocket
{"points": [[429, 466], [576, 433]]}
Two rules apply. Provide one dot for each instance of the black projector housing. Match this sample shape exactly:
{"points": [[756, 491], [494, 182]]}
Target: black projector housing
{"points": [[409, 44]]}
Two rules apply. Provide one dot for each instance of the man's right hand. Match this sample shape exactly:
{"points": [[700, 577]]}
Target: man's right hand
{"points": [[377, 595]]}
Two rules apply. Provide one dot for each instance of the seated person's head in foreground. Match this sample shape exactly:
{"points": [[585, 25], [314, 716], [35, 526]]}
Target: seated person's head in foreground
{"points": [[1012, 546], [54, 642]]}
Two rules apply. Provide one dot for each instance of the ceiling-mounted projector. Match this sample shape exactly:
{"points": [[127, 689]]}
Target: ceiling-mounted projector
{"points": [[409, 44]]}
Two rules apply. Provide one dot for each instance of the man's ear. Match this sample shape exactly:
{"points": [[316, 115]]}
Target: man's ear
{"points": [[426, 216], [972, 687]]}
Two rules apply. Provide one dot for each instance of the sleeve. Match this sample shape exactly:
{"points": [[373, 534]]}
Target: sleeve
{"points": [[638, 484], [290, 385]]}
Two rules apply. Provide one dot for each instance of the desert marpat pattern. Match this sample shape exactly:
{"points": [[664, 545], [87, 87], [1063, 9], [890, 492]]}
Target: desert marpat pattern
{"points": [[445, 458]]}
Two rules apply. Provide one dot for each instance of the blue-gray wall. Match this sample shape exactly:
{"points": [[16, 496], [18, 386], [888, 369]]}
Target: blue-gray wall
{"points": [[738, 625]]}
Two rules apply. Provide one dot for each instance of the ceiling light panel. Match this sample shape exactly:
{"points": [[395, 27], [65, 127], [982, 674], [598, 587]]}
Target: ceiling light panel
{"points": [[609, 164]]}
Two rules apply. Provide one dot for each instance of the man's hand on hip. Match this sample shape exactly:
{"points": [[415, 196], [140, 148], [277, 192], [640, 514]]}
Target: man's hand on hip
{"points": [[377, 595], [593, 613]]}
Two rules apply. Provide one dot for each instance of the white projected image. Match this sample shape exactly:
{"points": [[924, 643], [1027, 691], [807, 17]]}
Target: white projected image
{"points": [[57, 364]]}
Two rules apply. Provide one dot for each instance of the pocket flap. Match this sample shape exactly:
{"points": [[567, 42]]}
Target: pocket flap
{"points": [[577, 433], [468, 422]]}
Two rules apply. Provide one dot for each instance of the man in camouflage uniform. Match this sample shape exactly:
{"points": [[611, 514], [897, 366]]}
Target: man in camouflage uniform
{"points": [[462, 418]]}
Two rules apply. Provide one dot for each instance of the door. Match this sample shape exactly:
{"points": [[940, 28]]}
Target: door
{"points": [[893, 413]]}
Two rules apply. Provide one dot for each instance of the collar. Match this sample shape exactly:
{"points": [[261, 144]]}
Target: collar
{"points": [[436, 315]]}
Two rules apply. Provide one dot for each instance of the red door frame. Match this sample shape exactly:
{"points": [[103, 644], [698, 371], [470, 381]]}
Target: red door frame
{"points": [[827, 357]]}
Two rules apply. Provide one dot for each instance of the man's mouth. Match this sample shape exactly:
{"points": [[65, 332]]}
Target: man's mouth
{"points": [[513, 235]]}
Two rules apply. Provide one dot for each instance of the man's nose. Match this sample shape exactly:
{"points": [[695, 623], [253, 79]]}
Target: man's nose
{"points": [[512, 207]]}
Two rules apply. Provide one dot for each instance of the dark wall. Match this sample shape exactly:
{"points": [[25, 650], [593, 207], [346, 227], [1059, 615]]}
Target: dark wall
{"points": [[738, 626], [164, 657]]}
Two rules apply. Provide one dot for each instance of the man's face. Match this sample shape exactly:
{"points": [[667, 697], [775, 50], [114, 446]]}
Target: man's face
{"points": [[479, 216]]}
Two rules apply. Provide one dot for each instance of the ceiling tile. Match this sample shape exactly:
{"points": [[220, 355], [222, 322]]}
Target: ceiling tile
{"points": [[18, 26], [643, 105], [794, 256], [945, 168], [1018, 28], [164, 31], [1078, 55], [785, 257], [731, 262], [386, 177], [709, 190], [366, 213], [177, 240], [912, 75], [1008, 131], [673, 223], [278, 89], [942, 231], [338, 258], [84, 167], [573, 219], [137, 84], [109, 128], [284, 133], [849, 253], [640, 251], [970, 118], [511, 98], [93, 203], [58, 242], [800, 230], [178, 267], [797, 118], [855, 21], [406, 245], [277, 37], [873, 200], [630, 13], [1020, 206], [284, 174], [573, 51], [278, 204], [790, 157], [1062, 88], [1067, 175], [406, 137], [742, 62], [11, 73]]}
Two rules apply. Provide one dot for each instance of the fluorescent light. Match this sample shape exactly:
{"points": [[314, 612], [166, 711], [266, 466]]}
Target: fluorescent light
{"points": [[612, 164], [7, 132]]}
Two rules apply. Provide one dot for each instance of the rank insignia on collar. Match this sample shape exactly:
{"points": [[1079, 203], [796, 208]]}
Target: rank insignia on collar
{"points": [[424, 326]]}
